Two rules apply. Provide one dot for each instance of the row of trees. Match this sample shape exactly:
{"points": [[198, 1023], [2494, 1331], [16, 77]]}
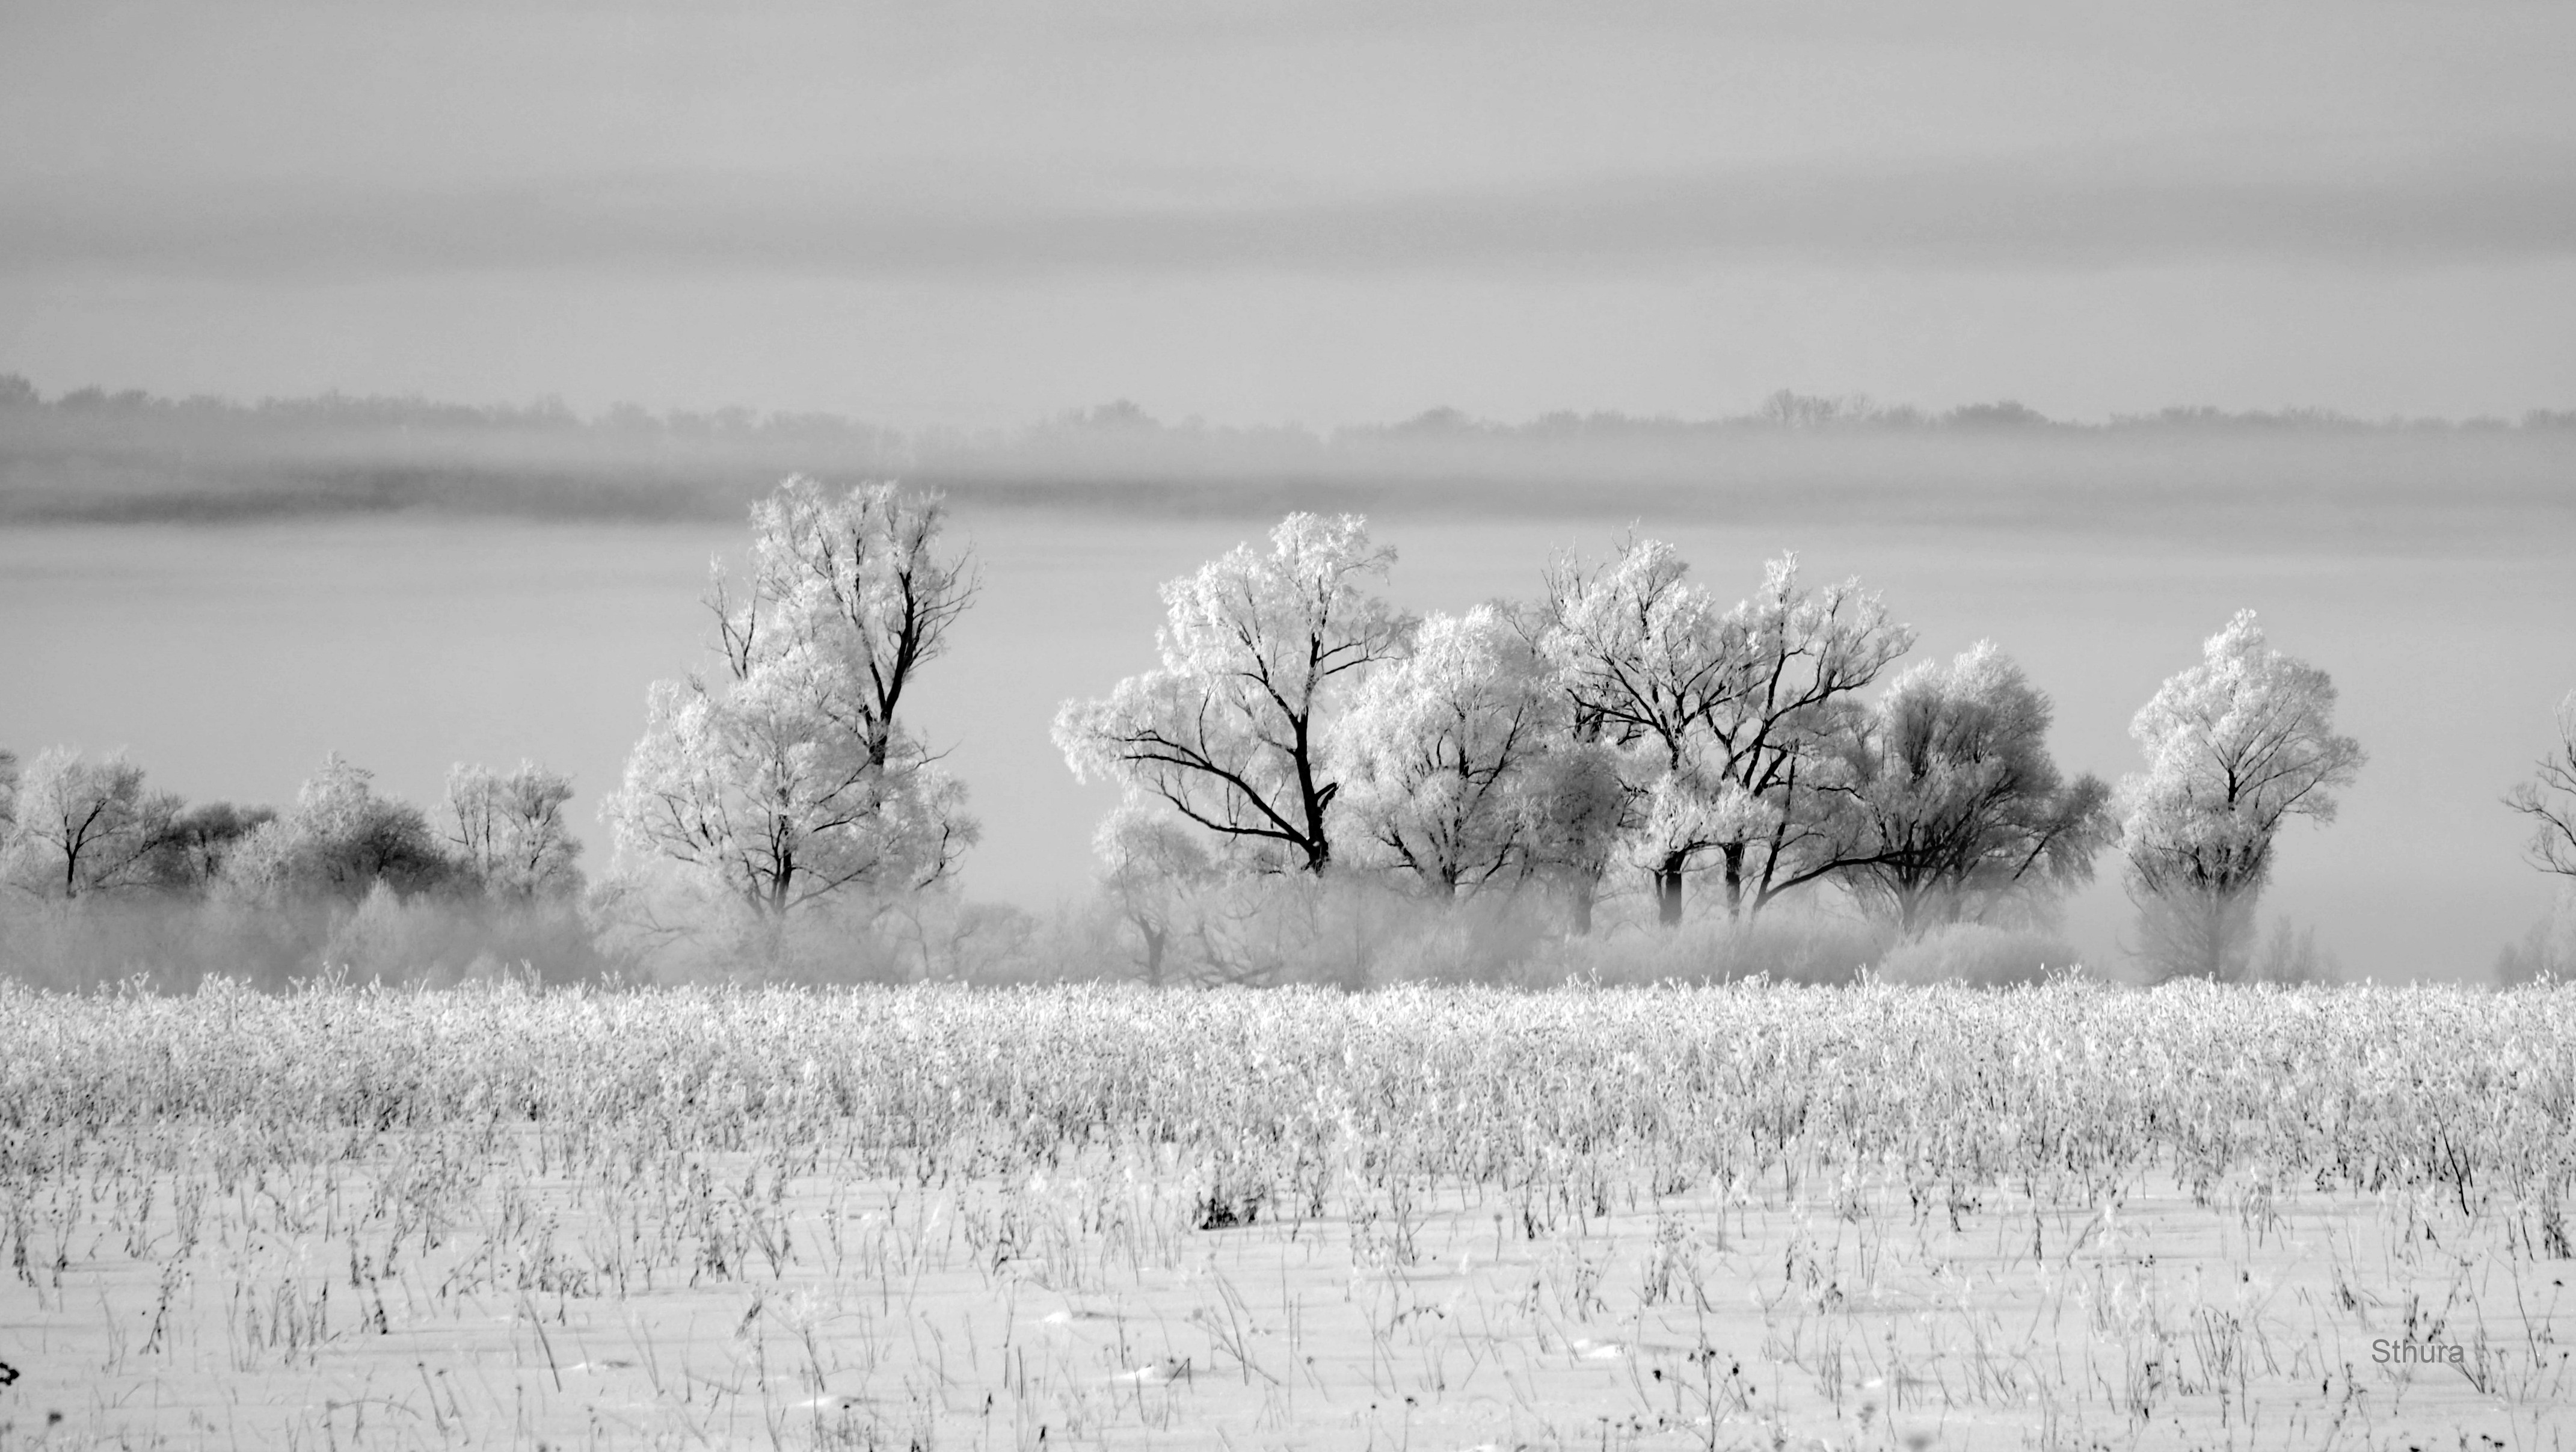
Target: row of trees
{"points": [[1627, 719], [1625, 724], [1782, 409], [73, 826]]}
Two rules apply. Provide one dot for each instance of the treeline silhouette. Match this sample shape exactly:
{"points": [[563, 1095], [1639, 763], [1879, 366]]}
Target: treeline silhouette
{"points": [[1784, 409], [91, 454]]}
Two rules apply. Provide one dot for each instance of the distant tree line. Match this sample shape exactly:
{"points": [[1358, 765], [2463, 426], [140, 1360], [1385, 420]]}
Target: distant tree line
{"points": [[490, 872], [1783, 410], [79, 826], [379, 412]]}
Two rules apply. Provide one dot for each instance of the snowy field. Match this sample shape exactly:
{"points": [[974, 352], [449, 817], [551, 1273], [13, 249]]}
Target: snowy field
{"points": [[1740, 1217]]}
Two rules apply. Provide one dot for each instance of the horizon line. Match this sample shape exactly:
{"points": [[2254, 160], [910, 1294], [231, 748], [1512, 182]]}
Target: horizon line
{"points": [[1784, 409]]}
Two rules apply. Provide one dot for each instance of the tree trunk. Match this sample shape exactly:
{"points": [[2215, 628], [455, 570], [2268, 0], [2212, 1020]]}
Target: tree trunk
{"points": [[1153, 955], [1668, 891], [1733, 855], [1584, 890]]}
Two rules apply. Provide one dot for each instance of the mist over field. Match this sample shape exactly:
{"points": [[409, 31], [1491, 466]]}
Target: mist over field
{"points": [[232, 593]]}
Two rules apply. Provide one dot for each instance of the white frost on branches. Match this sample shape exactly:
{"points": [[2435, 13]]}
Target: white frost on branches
{"points": [[1442, 750], [2549, 799], [508, 832], [2235, 747], [1259, 650], [794, 778], [82, 826], [1956, 808], [1731, 724]]}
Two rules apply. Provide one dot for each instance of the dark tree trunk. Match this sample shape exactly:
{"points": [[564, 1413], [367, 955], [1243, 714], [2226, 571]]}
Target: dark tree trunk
{"points": [[1153, 955], [1733, 853]]}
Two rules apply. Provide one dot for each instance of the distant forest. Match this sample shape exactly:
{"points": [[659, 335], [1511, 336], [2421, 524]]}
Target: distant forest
{"points": [[99, 456]]}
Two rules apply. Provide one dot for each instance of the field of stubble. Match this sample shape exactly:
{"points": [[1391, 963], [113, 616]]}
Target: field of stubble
{"points": [[1744, 1216]]}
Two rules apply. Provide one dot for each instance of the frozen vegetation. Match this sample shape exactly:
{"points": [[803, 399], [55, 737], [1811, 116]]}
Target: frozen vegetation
{"points": [[1738, 1217]]}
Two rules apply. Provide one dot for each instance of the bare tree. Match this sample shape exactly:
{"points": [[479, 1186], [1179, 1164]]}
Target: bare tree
{"points": [[2549, 799]]}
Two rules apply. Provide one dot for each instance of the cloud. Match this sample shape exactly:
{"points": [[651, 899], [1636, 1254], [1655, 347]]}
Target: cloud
{"points": [[2057, 211]]}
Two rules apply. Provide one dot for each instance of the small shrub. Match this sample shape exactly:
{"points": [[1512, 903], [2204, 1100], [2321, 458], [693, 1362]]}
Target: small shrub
{"points": [[2546, 952]]}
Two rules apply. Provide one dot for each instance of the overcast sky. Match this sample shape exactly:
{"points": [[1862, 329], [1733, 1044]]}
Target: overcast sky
{"points": [[961, 213]]}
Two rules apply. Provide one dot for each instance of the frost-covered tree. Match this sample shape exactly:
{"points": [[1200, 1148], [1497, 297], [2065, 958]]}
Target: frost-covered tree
{"points": [[1259, 650], [8, 792], [793, 778], [2549, 799], [1646, 660], [199, 841], [339, 842], [2235, 747], [1154, 870], [83, 826], [1953, 803], [1729, 722], [508, 832], [1576, 804], [1440, 753]]}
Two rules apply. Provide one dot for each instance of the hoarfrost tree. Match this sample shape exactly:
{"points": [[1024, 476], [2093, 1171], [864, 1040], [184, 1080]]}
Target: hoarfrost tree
{"points": [[1259, 650], [1644, 657], [339, 841], [200, 841], [2549, 799], [84, 826], [793, 778], [1577, 807], [1809, 654], [2235, 747], [1440, 753], [1953, 803], [508, 832], [1154, 869], [1730, 722]]}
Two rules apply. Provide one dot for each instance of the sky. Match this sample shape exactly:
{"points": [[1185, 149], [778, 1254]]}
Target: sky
{"points": [[984, 214]]}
